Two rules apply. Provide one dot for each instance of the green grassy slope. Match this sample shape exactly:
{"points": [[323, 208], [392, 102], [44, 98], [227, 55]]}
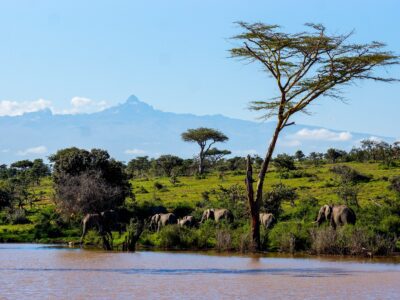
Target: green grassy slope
{"points": [[317, 182]]}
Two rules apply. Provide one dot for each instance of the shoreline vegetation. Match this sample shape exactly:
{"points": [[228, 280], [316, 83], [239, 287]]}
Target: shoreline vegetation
{"points": [[298, 185]]}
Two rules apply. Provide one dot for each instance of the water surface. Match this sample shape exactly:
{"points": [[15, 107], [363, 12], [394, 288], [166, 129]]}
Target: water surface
{"points": [[39, 271]]}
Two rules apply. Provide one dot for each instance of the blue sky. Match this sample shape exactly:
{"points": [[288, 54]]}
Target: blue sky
{"points": [[173, 55]]}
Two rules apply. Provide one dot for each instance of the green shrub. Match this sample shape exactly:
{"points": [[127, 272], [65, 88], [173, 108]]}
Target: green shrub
{"points": [[18, 216], [182, 209], [349, 175], [350, 240], [289, 236]]}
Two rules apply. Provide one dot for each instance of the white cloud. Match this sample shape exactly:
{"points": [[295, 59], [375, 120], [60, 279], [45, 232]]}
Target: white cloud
{"points": [[82, 105], [135, 151], [290, 143], [78, 105], [33, 150], [322, 135], [14, 108], [375, 139]]}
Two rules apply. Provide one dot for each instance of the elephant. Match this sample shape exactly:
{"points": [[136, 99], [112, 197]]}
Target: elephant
{"points": [[266, 219], [337, 215], [217, 215], [90, 221], [187, 221], [159, 220], [104, 222]]}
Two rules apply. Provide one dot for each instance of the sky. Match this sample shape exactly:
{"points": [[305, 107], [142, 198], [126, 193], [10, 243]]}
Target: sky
{"points": [[82, 56]]}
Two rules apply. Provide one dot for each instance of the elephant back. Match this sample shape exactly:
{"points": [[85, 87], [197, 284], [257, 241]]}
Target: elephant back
{"points": [[223, 214]]}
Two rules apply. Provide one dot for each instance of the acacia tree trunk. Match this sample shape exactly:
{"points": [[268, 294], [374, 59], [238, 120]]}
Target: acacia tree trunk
{"points": [[201, 160], [255, 200]]}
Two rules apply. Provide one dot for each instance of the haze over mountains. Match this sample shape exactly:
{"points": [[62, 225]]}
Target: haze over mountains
{"points": [[135, 128]]}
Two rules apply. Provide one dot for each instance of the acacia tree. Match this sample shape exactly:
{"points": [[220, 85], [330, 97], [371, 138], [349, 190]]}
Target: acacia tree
{"points": [[306, 66], [205, 138]]}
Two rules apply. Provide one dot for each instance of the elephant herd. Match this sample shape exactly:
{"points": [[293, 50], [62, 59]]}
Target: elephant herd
{"points": [[336, 215], [162, 219], [106, 221]]}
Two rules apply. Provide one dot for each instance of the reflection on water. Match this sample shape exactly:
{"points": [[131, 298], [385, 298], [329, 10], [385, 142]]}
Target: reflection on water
{"points": [[38, 271], [288, 271]]}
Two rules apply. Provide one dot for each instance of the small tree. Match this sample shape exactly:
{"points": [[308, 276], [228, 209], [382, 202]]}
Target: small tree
{"points": [[168, 163], [205, 138], [284, 163], [138, 166], [299, 155], [88, 182], [306, 66]]}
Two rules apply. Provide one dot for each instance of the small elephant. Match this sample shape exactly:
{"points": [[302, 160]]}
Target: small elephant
{"points": [[217, 215], [337, 215], [187, 221], [153, 224], [266, 219], [159, 220]]}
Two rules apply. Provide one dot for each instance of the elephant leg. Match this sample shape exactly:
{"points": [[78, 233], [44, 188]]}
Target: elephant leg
{"points": [[333, 224], [83, 234]]}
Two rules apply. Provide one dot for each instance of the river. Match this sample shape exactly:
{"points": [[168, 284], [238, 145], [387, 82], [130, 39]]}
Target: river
{"points": [[48, 272]]}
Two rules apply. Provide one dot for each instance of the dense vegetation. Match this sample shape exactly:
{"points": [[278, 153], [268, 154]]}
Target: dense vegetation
{"points": [[367, 179]]}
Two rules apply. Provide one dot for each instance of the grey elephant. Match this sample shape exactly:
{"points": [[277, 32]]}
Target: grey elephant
{"points": [[159, 220], [90, 221], [337, 215], [266, 219], [217, 215], [187, 221]]}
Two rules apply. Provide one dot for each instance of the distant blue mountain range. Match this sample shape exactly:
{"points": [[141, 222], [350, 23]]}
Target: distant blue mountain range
{"points": [[135, 128]]}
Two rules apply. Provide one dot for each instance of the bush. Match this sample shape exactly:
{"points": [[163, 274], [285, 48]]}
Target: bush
{"points": [[182, 209], [284, 163], [169, 237], [234, 199], [272, 201], [349, 175], [395, 184], [18, 216], [224, 240], [289, 236], [299, 174], [305, 210], [46, 229], [175, 237], [350, 240]]}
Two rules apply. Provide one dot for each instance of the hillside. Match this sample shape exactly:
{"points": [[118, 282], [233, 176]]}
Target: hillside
{"points": [[314, 186]]}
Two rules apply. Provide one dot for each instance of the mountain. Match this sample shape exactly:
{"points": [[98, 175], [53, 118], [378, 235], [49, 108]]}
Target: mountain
{"points": [[136, 128]]}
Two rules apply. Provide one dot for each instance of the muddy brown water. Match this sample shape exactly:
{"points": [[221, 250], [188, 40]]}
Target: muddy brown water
{"points": [[29, 271]]}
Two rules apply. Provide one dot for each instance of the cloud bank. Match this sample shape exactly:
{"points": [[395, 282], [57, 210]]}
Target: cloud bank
{"points": [[135, 152], [78, 105], [14, 108], [33, 150], [322, 135]]}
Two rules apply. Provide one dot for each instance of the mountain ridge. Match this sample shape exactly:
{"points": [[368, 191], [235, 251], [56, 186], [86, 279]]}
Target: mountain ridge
{"points": [[137, 128]]}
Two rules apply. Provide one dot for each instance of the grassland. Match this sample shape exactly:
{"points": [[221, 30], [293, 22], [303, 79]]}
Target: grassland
{"points": [[309, 181]]}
